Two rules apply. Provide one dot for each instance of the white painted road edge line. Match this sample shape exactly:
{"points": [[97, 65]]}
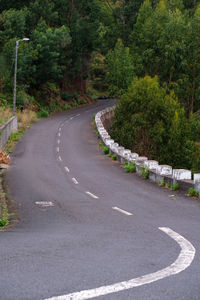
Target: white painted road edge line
{"points": [[183, 261], [92, 195], [122, 211], [74, 180], [67, 169]]}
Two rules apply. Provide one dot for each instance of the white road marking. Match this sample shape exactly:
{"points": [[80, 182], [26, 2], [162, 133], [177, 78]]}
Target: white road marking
{"points": [[67, 169], [77, 115], [92, 195], [74, 180], [45, 204], [183, 261], [59, 158], [71, 118], [59, 129], [58, 141], [59, 134], [57, 149], [122, 211]]}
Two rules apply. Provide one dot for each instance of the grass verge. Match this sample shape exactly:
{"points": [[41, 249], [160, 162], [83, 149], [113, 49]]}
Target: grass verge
{"points": [[4, 215]]}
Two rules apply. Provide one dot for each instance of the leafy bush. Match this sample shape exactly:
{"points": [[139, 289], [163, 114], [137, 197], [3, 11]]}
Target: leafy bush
{"points": [[130, 167], [3, 222], [43, 114], [162, 183], [65, 96], [105, 150], [101, 144], [193, 193], [175, 186], [114, 157], [144, 172]]}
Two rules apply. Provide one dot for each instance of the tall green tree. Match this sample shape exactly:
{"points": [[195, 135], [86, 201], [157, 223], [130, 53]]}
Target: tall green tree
{"points": [[151, 122], [120, 71]]}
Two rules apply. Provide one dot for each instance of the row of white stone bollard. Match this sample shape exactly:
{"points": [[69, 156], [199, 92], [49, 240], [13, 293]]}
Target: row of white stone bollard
{"points": [[125, 155]]}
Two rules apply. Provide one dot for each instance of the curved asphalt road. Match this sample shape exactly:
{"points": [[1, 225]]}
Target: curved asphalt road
{"points": [[81, 242]]}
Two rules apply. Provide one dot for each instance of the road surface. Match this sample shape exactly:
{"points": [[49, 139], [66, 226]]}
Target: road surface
{"points": [[87, 229]]}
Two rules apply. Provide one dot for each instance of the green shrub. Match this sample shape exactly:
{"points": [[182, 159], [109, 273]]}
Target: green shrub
{"points": [[130, 167], [101, 144], [175, 186], [105, 149], [144, 172], [82, 101], [162, 183], [65, 96], [15, 136], [3, 222], [114, 157], [43, 114], [193, 193]]}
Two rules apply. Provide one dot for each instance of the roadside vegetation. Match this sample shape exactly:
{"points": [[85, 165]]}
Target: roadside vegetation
{"points": [[4, 215], [143, 52], [5, 115]]}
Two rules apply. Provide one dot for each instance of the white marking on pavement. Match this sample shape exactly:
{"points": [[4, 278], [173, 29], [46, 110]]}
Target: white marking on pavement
{"points": [[59, 158], [59, 129], [92, 195], [45, 204], [71, 118], [57, 149], [183, 261], [59, 134], [77, 115], [58, 141], [122, 211], [74, 180], [67, 169]]}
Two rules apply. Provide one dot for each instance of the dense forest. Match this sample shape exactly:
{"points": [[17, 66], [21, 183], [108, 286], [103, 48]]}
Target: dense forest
{"points": [[144, 52]]}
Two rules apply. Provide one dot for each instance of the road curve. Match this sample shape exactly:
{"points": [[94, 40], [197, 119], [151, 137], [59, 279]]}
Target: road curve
{"points": [[85, 223]]}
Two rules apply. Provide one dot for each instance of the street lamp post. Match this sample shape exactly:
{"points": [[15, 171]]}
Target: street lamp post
{"points": [[15, 73]]}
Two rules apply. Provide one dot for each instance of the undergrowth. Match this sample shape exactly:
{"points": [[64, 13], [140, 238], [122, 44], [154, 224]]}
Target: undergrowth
{"points": [[130, 167]]}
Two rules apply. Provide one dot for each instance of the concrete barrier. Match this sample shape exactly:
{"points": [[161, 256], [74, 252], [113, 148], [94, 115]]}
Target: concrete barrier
{"points": [[157, 173], [6, 130]]}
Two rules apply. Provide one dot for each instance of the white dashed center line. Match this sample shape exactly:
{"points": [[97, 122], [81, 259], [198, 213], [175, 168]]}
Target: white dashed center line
{"points": [[58, 141], [59, 134], [44, 204], [74, 180], [71, 118], [57, 149], [122, 211], [59, 158], [92, 195], [67, 169]]}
